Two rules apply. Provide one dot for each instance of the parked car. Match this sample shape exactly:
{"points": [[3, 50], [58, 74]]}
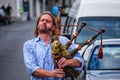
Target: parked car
{"points": [[97, 14], [4, 19], [106, 67]]}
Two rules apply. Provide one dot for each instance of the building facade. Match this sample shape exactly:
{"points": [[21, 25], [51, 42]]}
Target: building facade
{"points": [[34, 7]]}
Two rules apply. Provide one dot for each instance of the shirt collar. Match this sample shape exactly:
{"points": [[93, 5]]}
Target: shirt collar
{"points": [[37, 39]]}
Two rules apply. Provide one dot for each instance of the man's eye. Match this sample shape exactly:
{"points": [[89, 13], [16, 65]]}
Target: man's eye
{"points": [[48, 21], [42, 20]]}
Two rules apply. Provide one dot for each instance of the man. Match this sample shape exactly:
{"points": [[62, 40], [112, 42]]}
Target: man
{"points": [[8, 10], [37, 52], [8, 13]]}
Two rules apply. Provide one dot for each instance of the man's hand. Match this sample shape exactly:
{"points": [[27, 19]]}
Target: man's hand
{"points": [[57, 73], [62, 63], [68, 62]]}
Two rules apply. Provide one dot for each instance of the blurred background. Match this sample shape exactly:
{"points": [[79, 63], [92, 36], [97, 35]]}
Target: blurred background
{"points": [[34, 7]]}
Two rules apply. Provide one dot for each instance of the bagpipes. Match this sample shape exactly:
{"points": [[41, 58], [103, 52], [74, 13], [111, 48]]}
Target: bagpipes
{"points": [[59, 50]]}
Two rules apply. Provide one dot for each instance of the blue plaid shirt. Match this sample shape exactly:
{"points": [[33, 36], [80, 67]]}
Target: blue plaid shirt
{"points": [[38, 55]]}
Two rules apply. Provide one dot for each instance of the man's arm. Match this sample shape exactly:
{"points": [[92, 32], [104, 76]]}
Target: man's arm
{"points": [[44, 73], [68, 62]]}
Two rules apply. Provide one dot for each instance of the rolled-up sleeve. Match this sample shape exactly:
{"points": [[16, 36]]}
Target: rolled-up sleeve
{"points": [[29, 58], [78, 57], [81, 60]]}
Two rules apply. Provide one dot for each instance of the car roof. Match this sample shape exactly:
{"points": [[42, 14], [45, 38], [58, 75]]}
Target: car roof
{"points": [[115, 41], [107, 41], [99, 8], [74, 9]]}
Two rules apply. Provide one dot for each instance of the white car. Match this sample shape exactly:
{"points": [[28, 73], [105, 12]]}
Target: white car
{"points": [[97, 14], [106, 67]]}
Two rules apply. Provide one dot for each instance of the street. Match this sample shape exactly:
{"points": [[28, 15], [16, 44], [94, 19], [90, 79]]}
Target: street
{"points": [[12, 38]]}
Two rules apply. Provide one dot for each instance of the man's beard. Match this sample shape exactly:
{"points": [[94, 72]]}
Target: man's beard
{"points": [[45, 31]]}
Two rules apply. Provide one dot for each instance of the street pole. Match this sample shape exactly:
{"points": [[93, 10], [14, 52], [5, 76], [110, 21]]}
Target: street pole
{"points": [[18, 7], [44, 5]]}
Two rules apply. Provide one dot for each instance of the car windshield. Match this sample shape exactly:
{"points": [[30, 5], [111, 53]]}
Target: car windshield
{"points": [[110, 60], [111, 24]]}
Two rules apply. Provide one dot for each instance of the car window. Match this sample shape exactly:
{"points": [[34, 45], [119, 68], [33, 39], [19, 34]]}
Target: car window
{"points": [[69, 25], [110, 60], [111, 24]]}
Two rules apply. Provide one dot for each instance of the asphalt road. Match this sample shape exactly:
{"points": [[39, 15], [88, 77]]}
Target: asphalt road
{"points": [[12, 38]]}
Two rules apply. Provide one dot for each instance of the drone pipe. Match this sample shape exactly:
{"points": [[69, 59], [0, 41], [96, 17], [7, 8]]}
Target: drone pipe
{"points": [[86, 42], [83, 24], [89, 28]]}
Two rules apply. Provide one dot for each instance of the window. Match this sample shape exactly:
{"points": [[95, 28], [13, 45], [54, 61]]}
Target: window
{"points": [[111, 24], [69, 25], [110, 60]]}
